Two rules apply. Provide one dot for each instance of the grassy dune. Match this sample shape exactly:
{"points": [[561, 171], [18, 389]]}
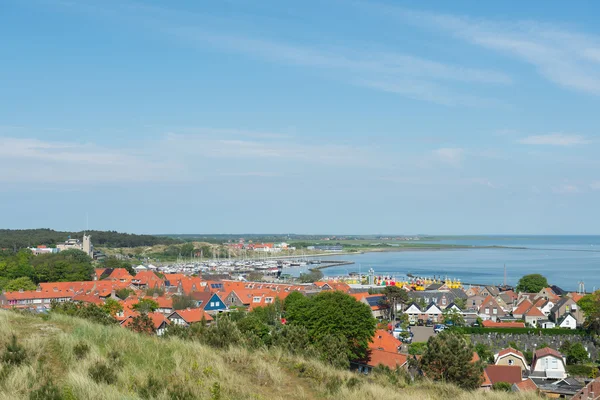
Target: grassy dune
{"points": [[58, 364]]}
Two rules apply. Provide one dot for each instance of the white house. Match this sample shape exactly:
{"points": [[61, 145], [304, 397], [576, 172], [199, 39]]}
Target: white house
{"points": [[433, 312], [548, 363], [545, 324], [567, 321], [413, 312]]}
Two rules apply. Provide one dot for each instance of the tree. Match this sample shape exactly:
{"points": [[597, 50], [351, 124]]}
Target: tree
{"points": [[142, 324], [485, 353], [112, 307], [449, 358], [182, 302], [333, 313], [577, 354], [66, 266], [123, 293], [532, 283], [145, 306], [114, 262], [314, 275], [23, 283], [394, 296], [333, 350], [460, 303], [454, 316], [590, 305]]}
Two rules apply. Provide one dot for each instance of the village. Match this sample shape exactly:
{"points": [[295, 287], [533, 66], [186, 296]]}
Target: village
{"points": [[483, 311]]}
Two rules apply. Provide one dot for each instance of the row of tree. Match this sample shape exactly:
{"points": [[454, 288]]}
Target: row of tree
{"points": [[18, 239], [23, 270]]}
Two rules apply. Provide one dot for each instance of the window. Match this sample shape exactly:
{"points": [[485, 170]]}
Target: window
{"points": [[217, 303], [443, 301], [256, 300], [554, 363], [487, 310], [511, 362], [495, 311], [473, 302], [212, 303], [269, 300]]}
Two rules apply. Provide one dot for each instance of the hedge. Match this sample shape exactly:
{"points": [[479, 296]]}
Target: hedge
{"points": [[530, 331], [584, 371]]}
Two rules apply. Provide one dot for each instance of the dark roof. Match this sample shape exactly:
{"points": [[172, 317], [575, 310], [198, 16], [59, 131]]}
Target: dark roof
{"points": [[558, 290], [375, 300], [434, 286]]}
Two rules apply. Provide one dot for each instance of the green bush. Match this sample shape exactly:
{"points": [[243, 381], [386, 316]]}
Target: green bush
{"points": [[48, 391], [100, 372], [81, 350], [502, 386], [584, 371], [14, 354]]}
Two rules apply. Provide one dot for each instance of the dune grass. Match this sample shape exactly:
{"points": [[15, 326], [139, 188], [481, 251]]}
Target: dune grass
{"points": [[69, 358]]}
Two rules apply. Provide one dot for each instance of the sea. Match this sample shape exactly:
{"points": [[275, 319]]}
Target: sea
{"points": [[566, 261]]}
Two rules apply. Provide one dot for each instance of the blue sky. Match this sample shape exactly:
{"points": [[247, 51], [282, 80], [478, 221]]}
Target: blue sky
{"points": [[308, 117]]}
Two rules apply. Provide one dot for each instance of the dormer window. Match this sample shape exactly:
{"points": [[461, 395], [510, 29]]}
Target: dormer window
{"points": [[256, 300]]}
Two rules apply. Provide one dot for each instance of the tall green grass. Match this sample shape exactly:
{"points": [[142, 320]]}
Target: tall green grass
{"points": [[69, 358]]}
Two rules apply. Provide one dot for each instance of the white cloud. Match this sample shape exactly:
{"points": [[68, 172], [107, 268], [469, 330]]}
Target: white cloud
{"points": [[450, 155], [595, 185], [555, 139], [569, 59], [566, 188], [354, 63]]}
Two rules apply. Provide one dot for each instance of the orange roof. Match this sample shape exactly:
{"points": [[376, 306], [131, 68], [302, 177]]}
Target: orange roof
{"points": [[162, 301], [486, 379], [148, 278], [158, 319], [510, 350], [475, 357], [491, 324], [389, 359], [36, 294], [119, 274], [192, 315], [523, 307], [527, 385], [547, 351], [383, 340], [534, 312], [576, 296], [504, 373], [88, 298]]}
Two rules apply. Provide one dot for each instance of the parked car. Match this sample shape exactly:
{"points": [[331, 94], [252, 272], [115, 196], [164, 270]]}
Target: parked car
{"points": [[429, 323], [420, 322], [412, 323], [439, 328]]}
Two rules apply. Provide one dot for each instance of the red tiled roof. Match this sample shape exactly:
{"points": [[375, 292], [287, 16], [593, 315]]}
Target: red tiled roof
{"points": [[547, 351], [383, 340], [534, 312], [510, 350], [486, 380], [386, 358], [586, 392], [523, 307], [527, 385], [192, 315], [491, 324], [504, 373], [158, 319], [88, 298]]}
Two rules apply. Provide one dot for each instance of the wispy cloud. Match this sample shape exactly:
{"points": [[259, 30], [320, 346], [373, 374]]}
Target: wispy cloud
{"points": [[595, 185], [565, 57], [355, 64], [450, 155], [554, 139], [566, 188]]}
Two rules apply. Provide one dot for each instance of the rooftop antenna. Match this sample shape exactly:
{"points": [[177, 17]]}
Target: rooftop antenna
{"points": [[87, 222], [505, 276]]}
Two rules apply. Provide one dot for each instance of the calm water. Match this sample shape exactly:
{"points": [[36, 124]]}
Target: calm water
{"points": [[564, 260]]}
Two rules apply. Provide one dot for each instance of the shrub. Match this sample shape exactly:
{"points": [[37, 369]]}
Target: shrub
{"points": [[100, 372], [417, 348], [14, 354], [151, 388], [583, 371], [80, 350], [48, 391], [502, 386]]}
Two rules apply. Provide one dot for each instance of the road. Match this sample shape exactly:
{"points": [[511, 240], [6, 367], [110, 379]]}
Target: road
{"points": [[421, 333]]}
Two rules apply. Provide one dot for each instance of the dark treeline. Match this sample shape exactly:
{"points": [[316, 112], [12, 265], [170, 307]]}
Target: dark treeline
{"points": [[11, 239]]}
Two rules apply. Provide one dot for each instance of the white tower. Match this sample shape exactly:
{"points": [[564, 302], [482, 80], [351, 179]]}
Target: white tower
{"points": [[87, 245]]}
